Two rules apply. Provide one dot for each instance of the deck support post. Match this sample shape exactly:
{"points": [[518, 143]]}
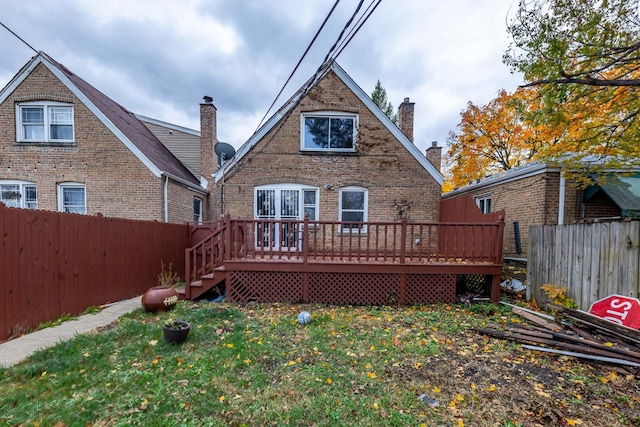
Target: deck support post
{"points": [[495, 288], [401, 291]]}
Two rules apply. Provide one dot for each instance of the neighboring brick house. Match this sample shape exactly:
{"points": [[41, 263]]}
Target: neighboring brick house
{"points": [[537, 194], [332, 153], [66, 146]]}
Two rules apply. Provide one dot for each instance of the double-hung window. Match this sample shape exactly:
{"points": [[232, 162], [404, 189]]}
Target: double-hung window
{"points": [[19, 194], [45, 122], [72, 198], [328, 131], [353, 208]]}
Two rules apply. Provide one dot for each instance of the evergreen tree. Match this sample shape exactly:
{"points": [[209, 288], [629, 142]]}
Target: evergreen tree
{"points": [[379, 97]]}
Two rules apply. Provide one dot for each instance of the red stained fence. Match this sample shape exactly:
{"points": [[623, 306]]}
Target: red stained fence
{"points": [[54, 263]]}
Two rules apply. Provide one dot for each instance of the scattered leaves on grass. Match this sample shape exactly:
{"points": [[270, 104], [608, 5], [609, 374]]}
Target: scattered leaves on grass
{"points": [[254, 365]]}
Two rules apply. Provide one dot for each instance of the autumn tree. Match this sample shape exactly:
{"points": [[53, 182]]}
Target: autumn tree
{"points": [[379, 97], [495, 137], [583, 56]]}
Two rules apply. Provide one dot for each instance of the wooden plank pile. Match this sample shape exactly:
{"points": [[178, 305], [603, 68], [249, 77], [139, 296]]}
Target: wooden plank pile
{"points": [[574, 333]]}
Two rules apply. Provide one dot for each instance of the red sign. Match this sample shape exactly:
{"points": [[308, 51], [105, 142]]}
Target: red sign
{"points": [[619, 309]]}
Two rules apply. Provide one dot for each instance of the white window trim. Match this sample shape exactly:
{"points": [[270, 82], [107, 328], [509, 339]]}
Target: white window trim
{"points": [[365, 215], [62, 186], [46, 105], [329, 114], [278, 187], [480, 199], [22, 185]]}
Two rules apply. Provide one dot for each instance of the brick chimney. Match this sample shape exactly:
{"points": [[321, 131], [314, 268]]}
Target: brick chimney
{"points": [[434, 155], [208, 138], [405, 118]]}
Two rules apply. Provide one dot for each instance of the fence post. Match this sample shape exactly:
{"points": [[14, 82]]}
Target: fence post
{"points": [[187, 273], [498, 243]]}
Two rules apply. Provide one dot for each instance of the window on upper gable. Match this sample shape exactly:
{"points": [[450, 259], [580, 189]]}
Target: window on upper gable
{"points": [[328, 131], [19, 194], [44, 122]]}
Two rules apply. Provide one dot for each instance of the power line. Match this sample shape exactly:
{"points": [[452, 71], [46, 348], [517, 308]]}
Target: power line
{"points": [[329, 58], [342, 33], [299, 62], [359, 25], [18, 37]]}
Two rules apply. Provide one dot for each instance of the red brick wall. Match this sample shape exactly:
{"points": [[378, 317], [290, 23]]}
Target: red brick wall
{"points": [[601, 206], [381, 164], [117, 183]]}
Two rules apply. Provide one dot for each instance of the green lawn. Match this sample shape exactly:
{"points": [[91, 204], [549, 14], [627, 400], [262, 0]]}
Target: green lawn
{"points": [[255, 365]]}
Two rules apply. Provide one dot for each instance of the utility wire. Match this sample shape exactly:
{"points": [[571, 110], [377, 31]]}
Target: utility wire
{"points": [[298, 64], [341, 34], [18, 37], [359, 25], [302, 92]]}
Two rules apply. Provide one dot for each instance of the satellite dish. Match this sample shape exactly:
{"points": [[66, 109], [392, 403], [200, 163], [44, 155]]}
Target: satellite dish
{"points": [[224, 151]]}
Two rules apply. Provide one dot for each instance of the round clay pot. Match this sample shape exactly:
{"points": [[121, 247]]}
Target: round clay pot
{"points": [[159, 298], [176, 334]]}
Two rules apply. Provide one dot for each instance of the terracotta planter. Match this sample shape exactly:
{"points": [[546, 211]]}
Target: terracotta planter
{"points": [[159, 298], [176, 334]]}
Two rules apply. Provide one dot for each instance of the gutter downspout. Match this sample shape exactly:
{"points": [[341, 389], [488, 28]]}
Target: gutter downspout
{"points": [[561, 200], [166, 201]]}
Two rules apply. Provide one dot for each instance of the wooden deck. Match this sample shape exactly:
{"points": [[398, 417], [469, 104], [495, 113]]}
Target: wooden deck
{"points": [[343, 263]]}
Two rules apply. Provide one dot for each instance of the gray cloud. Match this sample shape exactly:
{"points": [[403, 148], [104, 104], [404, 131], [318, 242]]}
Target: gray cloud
{"points": [[159, 58]]}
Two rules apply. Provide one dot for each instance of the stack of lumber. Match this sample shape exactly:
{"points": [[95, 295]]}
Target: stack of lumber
{"points": [[574, 333]]}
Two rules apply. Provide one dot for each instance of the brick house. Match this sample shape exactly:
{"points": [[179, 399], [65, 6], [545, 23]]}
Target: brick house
{"points": [[331, 153], [66, 146], [537, 194]]}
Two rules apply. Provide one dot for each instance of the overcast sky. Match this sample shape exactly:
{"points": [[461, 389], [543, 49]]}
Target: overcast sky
{"points": [[159, 57]]}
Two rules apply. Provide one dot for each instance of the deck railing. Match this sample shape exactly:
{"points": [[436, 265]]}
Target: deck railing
{"points": [[305, 241]]}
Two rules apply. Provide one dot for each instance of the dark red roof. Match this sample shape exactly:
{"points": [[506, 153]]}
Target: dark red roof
{"points": [[131, 127]]}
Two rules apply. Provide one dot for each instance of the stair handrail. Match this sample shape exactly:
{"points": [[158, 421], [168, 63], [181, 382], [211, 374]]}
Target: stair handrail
{"points": [[205, 256]]}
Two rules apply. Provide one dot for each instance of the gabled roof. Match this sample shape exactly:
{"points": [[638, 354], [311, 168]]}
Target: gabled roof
{"points": [[301, 93], [123, 123]]}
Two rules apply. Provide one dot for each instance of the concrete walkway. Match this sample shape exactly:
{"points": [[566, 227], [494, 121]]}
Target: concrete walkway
{"points": [[16, 350]]}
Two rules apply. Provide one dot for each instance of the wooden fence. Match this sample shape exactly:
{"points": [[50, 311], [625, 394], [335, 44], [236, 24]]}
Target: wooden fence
{"points": [[55, 263], [591, 260]]}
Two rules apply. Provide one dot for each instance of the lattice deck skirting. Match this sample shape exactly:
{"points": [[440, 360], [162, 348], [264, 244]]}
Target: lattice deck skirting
{"points": [[340, 288]]}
